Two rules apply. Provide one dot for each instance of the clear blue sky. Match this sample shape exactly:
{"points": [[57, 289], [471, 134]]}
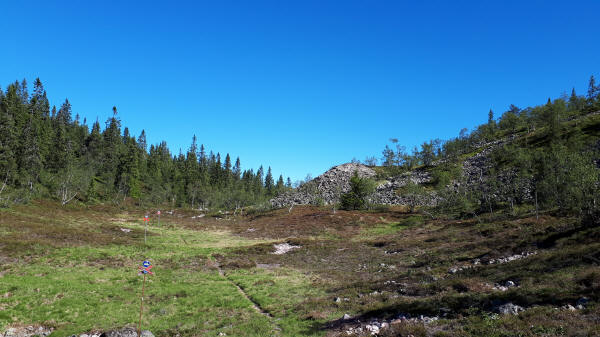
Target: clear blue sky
{"points": [[305, 85]]}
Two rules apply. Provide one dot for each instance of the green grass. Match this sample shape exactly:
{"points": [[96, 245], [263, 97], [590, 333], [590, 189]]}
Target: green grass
{"points": [[88, 287], [287, 295], [74, 269]]}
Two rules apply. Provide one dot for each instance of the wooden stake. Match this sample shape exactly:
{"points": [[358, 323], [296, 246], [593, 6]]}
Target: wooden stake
{"points": [[141, 307]]}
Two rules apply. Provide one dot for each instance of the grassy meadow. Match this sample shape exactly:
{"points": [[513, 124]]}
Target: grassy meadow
{"points": [[75, 269]]}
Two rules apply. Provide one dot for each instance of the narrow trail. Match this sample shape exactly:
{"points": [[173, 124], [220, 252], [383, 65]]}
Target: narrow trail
{"points": [[255, 305]]}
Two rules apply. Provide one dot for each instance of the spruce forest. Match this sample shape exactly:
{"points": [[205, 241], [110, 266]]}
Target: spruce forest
{"points": [[47, 152]]}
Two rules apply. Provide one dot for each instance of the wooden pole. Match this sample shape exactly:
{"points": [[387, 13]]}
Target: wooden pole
{"points": [[141, 307]]}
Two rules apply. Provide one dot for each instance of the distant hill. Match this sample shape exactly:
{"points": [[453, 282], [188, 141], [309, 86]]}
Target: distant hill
{"points": [[545, 157]]}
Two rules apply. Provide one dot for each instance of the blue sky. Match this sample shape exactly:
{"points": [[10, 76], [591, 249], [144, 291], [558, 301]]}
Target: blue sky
{"points": [[300, 86]]}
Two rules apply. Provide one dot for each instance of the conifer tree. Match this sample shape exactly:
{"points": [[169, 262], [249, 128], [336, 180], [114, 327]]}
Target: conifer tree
{"points": [[269, 183], [280, 185], [258, 182], [30, 159], [141, 142], [227, 164], [111, 148], [63, 116], [237, 167], [7, 139], [593, 89]]}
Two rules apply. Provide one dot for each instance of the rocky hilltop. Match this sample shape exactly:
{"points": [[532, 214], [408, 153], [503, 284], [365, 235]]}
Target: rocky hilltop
{"points": [[328, 187]]}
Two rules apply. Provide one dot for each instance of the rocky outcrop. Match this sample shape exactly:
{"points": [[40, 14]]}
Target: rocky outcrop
{"points": [[325, 188], [328, 187], [387, 191]]}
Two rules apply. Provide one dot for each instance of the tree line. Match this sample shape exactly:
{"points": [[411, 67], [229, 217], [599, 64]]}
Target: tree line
{"points": [[46, 152]]}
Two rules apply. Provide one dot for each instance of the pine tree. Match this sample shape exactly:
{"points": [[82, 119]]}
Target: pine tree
{"points": [[593, 89], [491, 125], [111, 149], [237, 168], [8, 164], [141, 142], [63, 116], [128, 174], [126, 135], [258, 181], [227, 164], [94, 143], [192, 183], [269, 183], [40, 109], [202, 156], [62, 153], [280, 185], [30, 159], [227, 171]]}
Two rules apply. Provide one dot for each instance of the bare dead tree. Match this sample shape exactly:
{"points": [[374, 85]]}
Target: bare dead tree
{"points": [[4, 183], [65, 192]]}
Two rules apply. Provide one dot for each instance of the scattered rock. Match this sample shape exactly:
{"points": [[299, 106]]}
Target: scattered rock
{"points": [[509, 309], [283, 248], [374, 327], [346, 317], [478, 262], [126, 332], [569, 307], [146, 333], [507, 285], [125, 230], [26, 331], [511, 258]]}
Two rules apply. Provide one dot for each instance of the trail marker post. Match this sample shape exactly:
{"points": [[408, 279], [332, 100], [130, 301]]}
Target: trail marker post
{"points": [[144, 269], [146, 220], [158, 213]]}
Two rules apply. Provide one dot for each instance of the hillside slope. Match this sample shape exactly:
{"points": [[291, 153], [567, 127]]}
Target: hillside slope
{"points": [[489, 169]]}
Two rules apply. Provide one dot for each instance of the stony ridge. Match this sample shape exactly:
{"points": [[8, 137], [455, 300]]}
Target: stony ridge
{"points": [[327, 188]]}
